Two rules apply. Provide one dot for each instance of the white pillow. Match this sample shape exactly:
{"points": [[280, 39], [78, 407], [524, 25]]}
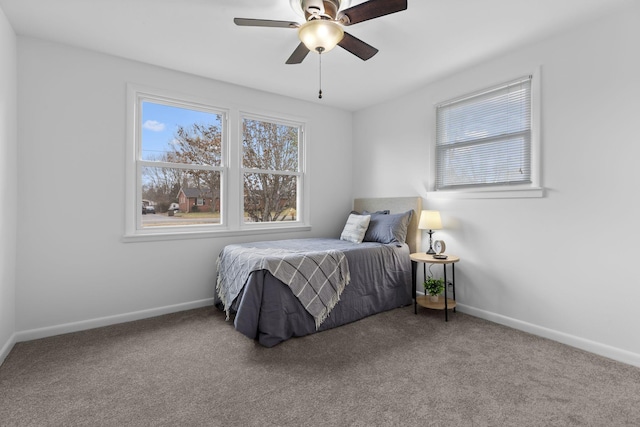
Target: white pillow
{"points": [[355, 228]]}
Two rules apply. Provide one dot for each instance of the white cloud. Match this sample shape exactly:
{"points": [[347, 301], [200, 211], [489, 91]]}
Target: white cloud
{"points": [[153, 125]]}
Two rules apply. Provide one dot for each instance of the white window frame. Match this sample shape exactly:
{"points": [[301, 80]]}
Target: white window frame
{"points": [[301, 211], [525, 190], [231, 194]]}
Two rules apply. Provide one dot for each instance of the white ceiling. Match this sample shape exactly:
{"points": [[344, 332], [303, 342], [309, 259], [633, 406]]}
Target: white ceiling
{"points": [[427, 41]]}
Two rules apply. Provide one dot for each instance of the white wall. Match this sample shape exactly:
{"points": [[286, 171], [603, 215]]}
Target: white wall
{"points": [[8, 183], [73, 271], [563, 266]]}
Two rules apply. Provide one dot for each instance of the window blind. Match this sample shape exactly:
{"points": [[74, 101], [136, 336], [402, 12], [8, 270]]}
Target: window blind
{"points": [[484, 138]]}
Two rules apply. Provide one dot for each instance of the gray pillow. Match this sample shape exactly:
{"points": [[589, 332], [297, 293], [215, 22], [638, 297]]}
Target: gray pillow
{"points": [[385, 212], [388, 228]]}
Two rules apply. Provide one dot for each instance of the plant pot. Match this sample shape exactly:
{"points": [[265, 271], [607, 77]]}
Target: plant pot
{"points": [[434, 298]]}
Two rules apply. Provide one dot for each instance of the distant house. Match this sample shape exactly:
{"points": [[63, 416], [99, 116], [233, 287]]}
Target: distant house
{"points": [[200, 198]]}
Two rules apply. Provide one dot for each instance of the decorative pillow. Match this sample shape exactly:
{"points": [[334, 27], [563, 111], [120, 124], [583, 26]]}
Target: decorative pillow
{"points": [[388, 228], [355, 228]]}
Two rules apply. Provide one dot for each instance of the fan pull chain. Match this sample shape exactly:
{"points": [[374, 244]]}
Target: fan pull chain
{"points": [[320, 49]]}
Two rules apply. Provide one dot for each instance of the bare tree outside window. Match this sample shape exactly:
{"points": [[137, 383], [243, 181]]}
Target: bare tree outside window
{"points": [[271, 170], [200, 144]]}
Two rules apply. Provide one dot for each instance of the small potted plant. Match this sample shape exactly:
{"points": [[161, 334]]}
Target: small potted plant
{"points": [[433, 287]]}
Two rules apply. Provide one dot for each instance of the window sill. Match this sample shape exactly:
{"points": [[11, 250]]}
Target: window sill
{"points": [[511, 193], [208, 234]]}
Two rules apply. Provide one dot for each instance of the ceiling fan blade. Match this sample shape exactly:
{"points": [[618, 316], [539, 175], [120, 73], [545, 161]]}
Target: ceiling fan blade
{"points": [[356, 46], [247, 22], [370, 10], [298, 55]]}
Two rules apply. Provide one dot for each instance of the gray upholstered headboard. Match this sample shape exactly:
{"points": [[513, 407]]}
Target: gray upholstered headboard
{"points": [[397, 205]]}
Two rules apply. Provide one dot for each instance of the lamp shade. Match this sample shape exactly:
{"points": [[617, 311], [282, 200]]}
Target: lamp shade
{"points": [[320, 33], [430, 220]]}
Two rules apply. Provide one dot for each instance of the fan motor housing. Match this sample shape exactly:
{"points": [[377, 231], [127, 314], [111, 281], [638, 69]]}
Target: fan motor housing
{"points": [[318, 9]]}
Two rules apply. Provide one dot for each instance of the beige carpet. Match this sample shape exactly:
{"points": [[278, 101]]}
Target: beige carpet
{"points": [[395, 368]]}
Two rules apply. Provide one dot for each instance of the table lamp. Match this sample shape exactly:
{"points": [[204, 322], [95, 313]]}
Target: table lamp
{"points": [[430, 220]]}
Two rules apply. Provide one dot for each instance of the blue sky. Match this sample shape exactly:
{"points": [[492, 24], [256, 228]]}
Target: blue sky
{"points": [[159, 123]]}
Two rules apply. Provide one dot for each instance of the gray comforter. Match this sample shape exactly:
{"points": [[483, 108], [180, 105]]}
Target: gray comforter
{"points": [[267, 310]]}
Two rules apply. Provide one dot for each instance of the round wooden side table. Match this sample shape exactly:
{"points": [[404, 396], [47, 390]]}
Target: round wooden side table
{"points": [[423, 300]]}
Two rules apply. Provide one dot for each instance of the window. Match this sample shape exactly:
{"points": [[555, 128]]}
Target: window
{"points": [[180, 161], [207, 169], [270, 169], [485, 139]]}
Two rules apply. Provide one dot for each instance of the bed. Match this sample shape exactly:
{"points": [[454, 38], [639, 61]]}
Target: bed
{"points": [[276, 290]]}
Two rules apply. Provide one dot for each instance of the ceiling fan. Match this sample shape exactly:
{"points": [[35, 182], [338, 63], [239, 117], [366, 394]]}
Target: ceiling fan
{"points": [[323, 28]]}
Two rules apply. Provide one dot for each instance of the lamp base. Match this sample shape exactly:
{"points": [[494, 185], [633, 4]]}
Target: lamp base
{"points": [[430, 251]]}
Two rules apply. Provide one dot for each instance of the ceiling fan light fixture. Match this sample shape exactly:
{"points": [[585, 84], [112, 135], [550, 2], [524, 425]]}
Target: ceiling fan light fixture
{"points": [[320, 35]]}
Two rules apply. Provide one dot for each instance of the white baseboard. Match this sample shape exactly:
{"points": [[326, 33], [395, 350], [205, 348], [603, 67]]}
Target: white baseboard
{"points": [[6, 348], [49, 331], [591, 346]]}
